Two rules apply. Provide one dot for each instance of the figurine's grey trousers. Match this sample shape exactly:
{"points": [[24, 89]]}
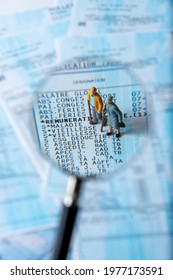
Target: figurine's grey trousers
{"points": [[96, 116]]}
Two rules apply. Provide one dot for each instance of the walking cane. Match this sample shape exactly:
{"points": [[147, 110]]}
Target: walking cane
{"points": [[89, 111], [103, 119]]}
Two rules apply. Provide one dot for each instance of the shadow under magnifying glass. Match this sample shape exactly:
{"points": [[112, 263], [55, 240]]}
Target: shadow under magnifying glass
{"points": [[91, 119]]}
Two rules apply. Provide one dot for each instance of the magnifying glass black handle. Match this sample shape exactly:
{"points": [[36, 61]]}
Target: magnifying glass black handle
{"points": [[65, 232], [70, 209]]}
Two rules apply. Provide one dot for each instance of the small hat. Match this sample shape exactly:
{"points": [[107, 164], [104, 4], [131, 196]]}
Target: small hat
{"points": [[110, 98]]}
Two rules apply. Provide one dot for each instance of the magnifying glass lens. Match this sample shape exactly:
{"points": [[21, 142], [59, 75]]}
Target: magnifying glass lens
{"points": [[91, 118]]}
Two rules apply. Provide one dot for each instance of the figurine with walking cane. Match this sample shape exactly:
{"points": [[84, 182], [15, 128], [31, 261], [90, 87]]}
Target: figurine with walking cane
{"points": [[95, 106], [115, 117]]}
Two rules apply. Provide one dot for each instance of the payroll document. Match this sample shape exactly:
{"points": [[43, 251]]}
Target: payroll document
{"points": [[127, 214]]}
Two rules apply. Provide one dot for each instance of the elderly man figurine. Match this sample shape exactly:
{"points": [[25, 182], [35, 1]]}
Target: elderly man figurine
{"points": [[95, 104], [115, 117]]}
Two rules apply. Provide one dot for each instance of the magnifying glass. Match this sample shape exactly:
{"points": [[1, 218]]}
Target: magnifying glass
{"points": [[91, 119]]}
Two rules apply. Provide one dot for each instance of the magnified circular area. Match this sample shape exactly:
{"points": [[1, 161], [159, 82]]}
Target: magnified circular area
{"points": [[91, 120]]}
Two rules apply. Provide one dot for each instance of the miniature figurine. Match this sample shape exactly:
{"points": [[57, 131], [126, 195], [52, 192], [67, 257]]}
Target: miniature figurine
{"points": [[95, 104], [115, 117]]}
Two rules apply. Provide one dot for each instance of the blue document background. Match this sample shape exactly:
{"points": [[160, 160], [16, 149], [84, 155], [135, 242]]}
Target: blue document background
{"points": [[127, 216]]}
